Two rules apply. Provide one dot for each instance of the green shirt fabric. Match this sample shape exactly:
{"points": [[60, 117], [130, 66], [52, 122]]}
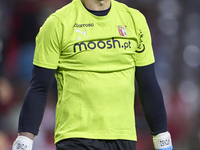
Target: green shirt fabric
{"points": [[95, 58]]}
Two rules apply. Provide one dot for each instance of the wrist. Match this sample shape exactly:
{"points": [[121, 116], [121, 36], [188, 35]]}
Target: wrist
{"points": [[162, 141], [22, 143], [25, 138], [27, 134]]}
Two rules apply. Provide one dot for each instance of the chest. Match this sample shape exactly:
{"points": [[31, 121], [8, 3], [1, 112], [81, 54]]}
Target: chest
{"points": [[99, 43]]}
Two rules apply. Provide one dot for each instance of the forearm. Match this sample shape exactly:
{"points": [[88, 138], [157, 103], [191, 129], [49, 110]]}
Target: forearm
{"points": [[32, 111], [151, 99], [35, 101], [154, 109]]}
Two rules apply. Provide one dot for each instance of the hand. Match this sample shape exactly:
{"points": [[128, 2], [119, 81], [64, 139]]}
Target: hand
{"points": [[22, 143], [162, 141]]}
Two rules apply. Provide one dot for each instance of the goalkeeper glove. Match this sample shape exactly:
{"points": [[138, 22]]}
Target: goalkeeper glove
{"points": [[22, 143], [162, 141]]}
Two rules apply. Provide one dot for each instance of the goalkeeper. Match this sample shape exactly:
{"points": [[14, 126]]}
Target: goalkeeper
{"points": [[95, 49]]}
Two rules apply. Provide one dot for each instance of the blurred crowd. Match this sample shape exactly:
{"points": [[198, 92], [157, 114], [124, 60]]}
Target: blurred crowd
{"points": [[175, 30]]}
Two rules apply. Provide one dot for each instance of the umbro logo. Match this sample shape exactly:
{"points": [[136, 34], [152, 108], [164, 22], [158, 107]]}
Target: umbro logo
{"points": [[76, 25]]}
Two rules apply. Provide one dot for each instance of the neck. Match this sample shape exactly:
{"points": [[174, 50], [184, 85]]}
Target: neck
{"points": [[96, 4]]}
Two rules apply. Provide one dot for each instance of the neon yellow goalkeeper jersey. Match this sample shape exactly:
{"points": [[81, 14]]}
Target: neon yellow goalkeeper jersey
{"points": [[95, 58]]}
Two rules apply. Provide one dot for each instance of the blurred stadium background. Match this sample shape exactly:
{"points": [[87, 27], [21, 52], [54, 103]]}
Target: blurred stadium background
{"points": [[175, 29]]}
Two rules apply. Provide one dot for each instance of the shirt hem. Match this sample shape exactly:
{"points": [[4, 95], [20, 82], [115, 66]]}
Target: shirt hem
{"points": [[100, 137], [44, 65]]}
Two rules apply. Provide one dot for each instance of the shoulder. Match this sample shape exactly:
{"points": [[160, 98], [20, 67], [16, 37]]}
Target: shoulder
{"points": [[133, 15], [124, 8], [60, 16], [67, 10]]}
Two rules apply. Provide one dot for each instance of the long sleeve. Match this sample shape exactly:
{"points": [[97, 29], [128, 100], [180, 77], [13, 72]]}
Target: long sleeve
{"points": [[35, 100], [151, 99]]}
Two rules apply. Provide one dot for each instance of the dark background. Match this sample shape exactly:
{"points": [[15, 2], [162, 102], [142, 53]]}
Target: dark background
{"points": [[175, 29]]}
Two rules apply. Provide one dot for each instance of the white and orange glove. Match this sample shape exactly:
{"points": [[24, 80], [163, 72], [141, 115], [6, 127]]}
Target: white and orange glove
{"points": [[22, 143], [162, 141]]}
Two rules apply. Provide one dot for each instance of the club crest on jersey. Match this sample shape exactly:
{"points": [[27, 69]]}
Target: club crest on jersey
{"points": [[122, 30]]}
